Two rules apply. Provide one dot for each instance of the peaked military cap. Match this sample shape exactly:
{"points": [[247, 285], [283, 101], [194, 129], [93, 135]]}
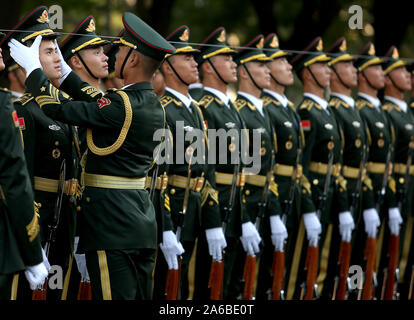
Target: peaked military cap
{"points": [[214, 45], [366, 57], [34, 24], [253, 51], [338, 53], [140, 36], [392, 60], [179, 39], [110, 52], [311, 54], [82, 37], [410, 68], [271, 46]]}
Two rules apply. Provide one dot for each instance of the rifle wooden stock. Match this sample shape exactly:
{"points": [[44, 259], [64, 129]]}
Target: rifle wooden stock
{"points": [[393, 248], [278, 267], [249, 274], [311, 265], [40, 294], [370, 253], [215, 281], [85, 291], [173, 282], [343, 260]]}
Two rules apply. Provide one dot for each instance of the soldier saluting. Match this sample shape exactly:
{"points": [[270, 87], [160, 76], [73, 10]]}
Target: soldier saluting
{"points": [[118, 233]]}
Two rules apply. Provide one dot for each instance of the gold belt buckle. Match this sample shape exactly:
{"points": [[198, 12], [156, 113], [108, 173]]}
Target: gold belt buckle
{"points": [[164, 181], [299, 171], [70, 187], [241, 179]]}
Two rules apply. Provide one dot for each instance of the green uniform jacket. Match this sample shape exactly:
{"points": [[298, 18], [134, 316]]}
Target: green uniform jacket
{"points": [[290, 141], [219, 117], [111, 218], [19, 227], [253, 194], [380, 138], [321, 133], [355, 136], [203, 208]]}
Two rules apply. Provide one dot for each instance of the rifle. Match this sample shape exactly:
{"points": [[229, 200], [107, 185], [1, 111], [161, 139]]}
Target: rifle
{"points": [[391, 287], [249, 271], [173, 276], [40, 292], [309, 288], [215, 281], [153, 182]]}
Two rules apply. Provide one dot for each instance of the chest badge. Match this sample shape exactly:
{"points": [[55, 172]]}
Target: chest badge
{"points": [[356, 124], [328, 126], [55, 153], [287, 124], [54, 127], [379, 124], [288, 145], [230, 125], [188, 128], [408, 127]]}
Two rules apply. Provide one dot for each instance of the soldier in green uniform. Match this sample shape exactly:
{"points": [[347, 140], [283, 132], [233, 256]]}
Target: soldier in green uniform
{"points": [[253, 76], [356, 143], [196, 90], [289, 145], [397, 82], [380, 142], [47, 144], [118, 227], [410, 69], [112, 81], [323, 137], [16, 77], [19, 224], [217, 71], [202, 218]]}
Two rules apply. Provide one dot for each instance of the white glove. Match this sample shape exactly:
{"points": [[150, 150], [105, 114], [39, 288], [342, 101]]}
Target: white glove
{"points": [[279, 233], [216, 242], [394, 220], [313, 228], [65, 69], [45, 261], [26, 57], [346, 225], [81, 263], [250, 238], [36, 275], [170, 247], [372, 221]]}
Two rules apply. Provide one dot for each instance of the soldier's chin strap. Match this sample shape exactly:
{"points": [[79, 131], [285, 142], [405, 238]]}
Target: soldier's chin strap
{"points": [[393, 82], [369, 83], [277, 82], [86, 66], [314, 78], [121, 74], [250, 76], [217, 73], [176, 73], [340, 79]]}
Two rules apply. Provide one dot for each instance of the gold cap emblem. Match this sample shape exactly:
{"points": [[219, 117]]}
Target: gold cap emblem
{"points": [[371, 50], [274, 43], [184, 36], [260, 44], [319, 47], [343, 46], [222, 36], [395, 53], [91, 26], [44, 18]]}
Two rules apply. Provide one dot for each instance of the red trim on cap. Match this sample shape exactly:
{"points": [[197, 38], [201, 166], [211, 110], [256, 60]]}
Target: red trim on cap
{"points": [[74, 31], [150, 45], [183, 26], [269, 35], [254, 40], [299, 56], [112, 44], [209, 37], [335, 44]]}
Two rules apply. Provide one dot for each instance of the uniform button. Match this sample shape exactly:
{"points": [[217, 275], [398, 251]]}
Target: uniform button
{"points": [[315, 181], [303, 191], [78, 208], [88, 199], [172, 191], [247, 192], [401, 180], [211, 203], [56, 143]]}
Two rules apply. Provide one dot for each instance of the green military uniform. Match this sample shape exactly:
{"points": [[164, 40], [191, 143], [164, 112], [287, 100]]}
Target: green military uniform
{"points": [[290, 142], [322, 136], [196, 91], [19, 226], [47, 143], [259, 122], [403, 121], [220, 114], [381, 138], [118, 228]]}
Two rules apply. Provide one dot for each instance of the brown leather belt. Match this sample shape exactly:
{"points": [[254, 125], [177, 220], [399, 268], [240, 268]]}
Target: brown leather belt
{"points": [[196, 184]]}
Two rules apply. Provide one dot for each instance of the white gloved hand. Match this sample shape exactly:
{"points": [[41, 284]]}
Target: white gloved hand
{"points": [[65, 69], [170, 247], [81, 263], [313, 228], [36, 275], [26, 57], [250, 238], [346, 225], [279, 233], [372, 221], [394, 220], [216, 242]]}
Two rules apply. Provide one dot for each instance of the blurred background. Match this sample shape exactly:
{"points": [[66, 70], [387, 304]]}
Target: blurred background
{"points": [[296, 22]]}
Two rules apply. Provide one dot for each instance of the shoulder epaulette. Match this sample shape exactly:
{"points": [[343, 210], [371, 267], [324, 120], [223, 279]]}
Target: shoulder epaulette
{"points": [[166, 100], [4, 89], [240, 104], [336, 103], [362, 103], [206, 100], [290, 104], [307, 104], [388, 106], [268, 100], [252, 107], [412, 104], [24, 99]]}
